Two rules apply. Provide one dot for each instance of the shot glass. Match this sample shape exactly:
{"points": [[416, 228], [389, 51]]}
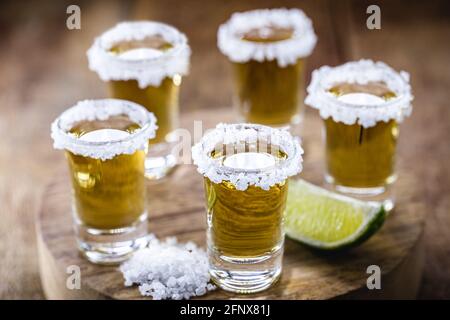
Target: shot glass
{"points": [[144, 62], [246, 169], [362, 104], [268, 51], [105, 143]]}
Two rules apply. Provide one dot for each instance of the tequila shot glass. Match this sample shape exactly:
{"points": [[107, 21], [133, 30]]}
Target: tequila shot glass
{"points": [[268, 50], [246, 169], [105, 142], [362, 104], [144, 62]]}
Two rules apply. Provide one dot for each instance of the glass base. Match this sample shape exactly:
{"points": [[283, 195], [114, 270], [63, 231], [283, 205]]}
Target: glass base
{"points": [[158, 167], [160, 161], [383, 194], [245, 275], [113, 246]]}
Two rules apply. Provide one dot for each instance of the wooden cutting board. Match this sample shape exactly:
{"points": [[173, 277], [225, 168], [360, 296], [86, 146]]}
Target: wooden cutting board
{"points": [[176, 208]]}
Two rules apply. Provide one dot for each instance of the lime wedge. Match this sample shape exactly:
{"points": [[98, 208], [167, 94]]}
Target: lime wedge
{"points": [[326, 220]]}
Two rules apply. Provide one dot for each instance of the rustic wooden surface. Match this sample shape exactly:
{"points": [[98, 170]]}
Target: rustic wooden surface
{"points": [[176, 208], [44, 70]]}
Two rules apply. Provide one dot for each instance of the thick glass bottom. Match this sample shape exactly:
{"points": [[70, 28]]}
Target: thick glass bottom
{"points": [[245, 275], [160, 161], [383, 194], [101, 246], [159, 167]]}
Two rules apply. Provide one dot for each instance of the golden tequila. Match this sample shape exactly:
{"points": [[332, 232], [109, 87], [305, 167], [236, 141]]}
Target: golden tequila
{"points": [[108, 194], [161, 100], [359, 157], [246, 223], [265, 92]]}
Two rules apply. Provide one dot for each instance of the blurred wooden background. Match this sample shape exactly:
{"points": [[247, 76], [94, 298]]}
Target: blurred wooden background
{"points": [[44, 70]]}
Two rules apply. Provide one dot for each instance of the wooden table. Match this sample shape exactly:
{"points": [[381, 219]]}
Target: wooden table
{"points": [[44, 71], [176, 207]]}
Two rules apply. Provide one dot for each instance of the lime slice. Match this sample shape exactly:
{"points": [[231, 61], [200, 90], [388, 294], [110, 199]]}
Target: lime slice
{"points": [[326, 220]]}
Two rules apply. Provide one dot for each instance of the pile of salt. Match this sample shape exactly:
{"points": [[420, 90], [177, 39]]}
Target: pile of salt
{"points": [[168, 270]]}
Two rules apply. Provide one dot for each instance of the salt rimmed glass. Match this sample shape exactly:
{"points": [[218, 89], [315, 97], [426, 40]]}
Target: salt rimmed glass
{"points": [[144, 62], [105, 143], [246, 169], [268, 50], [362, 104]]}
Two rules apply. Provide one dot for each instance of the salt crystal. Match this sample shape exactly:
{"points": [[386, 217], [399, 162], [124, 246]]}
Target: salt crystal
{"points": [[169, 270]]}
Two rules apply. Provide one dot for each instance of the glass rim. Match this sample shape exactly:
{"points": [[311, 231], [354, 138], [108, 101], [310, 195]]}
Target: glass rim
{"points": [[147, 71], [98, 110], [265, 177], [285, 52], [257, 127], [179, 42], [332, 100], [360, 72], [75, 140], [296, 35], [386, 103]]}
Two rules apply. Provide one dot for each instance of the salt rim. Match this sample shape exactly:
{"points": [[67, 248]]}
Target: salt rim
{"points": [[147, 72], [286, 52], [102, 109], [360, 72], [241, 178]]}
